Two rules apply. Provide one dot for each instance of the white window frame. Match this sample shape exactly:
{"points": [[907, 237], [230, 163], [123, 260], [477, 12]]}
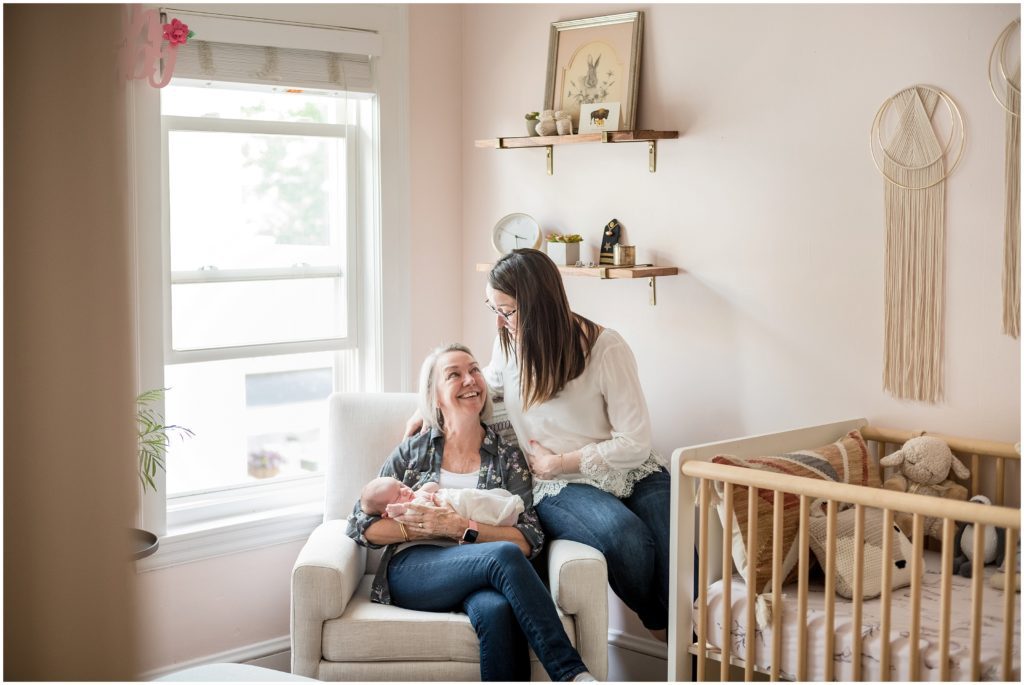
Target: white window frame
{"points": [[384, 299], [354, 162], [302, 497]]}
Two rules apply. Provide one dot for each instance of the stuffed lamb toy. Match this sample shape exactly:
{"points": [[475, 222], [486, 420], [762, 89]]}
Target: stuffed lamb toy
{"points": [[963, 544], [924, 465]]}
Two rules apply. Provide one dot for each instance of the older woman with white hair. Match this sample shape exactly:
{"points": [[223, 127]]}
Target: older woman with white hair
{"points": [[437, 560]]}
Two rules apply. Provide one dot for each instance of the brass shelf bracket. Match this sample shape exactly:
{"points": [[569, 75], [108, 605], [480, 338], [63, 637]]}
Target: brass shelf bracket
{"points": [[654, 290], [652, 156], [550, 155]]}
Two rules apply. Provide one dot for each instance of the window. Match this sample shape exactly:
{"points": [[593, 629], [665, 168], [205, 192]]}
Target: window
{"points": [[269, 212]]}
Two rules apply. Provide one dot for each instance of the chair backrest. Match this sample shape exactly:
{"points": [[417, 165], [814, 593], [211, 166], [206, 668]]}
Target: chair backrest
{"points": [[362, 430]]}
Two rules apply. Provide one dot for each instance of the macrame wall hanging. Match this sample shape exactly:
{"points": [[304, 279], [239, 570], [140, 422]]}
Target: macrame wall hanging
{"points": [[915, 159], [1004, 81]]}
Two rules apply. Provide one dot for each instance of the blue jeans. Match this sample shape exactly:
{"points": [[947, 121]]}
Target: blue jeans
{"points": [[632, 533], [504, 598]]}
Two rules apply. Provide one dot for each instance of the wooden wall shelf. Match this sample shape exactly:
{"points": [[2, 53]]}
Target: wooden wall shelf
{"points": [[548, 142], [640, 271]]}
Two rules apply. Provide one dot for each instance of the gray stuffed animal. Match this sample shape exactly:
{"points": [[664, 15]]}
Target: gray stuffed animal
{"points": [[963, 544]]}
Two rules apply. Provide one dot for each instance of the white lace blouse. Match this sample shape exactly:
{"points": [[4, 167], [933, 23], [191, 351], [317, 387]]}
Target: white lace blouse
{"points": [[602, 412]]}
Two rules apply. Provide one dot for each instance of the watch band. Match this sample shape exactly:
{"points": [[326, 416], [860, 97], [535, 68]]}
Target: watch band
{"points": [[471, 533]]}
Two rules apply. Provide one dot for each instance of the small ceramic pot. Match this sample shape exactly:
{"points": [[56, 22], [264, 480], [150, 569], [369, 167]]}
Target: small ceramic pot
{"points": [[564, 254]]}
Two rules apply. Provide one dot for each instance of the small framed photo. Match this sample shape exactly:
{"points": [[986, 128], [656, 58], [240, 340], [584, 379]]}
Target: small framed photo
{"points": [[595, 60], [599, 116]]}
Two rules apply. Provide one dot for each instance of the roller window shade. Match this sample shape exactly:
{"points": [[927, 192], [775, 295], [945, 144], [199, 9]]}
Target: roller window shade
{"points": [[274, 66]]}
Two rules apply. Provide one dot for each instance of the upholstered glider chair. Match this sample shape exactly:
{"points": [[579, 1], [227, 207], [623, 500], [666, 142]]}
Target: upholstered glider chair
{"points": [[338, 634]]}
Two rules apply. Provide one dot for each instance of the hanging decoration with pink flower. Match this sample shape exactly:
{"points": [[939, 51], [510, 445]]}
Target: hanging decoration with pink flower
{"points": [[146, 41]]}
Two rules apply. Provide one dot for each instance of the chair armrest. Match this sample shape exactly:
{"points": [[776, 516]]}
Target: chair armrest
{"points": [[324, 578], [578, 575]]}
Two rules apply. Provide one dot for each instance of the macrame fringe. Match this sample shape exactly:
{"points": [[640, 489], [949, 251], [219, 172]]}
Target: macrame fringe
{"points": [[915, 251], [1011, 232]]}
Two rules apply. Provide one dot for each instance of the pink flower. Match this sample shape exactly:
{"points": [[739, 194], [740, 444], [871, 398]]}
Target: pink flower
{"points": [[176, 32]]}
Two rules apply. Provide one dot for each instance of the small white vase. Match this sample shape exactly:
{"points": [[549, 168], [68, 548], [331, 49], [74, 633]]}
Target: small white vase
{"points": [[564, 254]]}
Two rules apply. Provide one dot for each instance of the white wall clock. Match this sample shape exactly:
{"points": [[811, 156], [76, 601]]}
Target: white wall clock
{"points": [[515, 231]]}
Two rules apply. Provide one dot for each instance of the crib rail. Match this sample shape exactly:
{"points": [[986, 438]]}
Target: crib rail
{"points": [[860, 497]]}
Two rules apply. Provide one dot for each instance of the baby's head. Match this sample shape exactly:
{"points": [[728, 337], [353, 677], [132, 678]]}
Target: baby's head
{"points": [[380, 492]]}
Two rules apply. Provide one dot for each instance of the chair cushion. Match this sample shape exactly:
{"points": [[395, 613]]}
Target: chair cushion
{"points": [[378, 632]]}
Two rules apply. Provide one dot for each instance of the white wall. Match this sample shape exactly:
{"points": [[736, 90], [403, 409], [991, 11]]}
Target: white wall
{"points": [[768, 201]]}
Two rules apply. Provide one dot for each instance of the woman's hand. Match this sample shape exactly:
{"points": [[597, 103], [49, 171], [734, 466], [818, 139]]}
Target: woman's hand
{"points": [[423, 521], [544, 463], [414, 425]]}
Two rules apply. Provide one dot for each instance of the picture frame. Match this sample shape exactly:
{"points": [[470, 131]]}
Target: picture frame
{"points": [[595, 60], [598, 117]]}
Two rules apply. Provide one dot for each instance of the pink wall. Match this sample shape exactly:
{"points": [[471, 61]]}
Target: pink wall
{"points": [[768, 201], [435, 138], [193, 611]]}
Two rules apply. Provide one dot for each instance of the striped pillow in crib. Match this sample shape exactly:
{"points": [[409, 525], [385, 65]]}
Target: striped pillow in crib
{"points": [[847, 460]]}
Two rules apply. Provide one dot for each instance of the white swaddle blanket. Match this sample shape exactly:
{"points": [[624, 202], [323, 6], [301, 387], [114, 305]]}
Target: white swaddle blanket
{"points": [[495, 507]]}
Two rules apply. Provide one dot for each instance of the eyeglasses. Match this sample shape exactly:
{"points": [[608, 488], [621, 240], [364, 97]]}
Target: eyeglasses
{"points": [[505, 315]]}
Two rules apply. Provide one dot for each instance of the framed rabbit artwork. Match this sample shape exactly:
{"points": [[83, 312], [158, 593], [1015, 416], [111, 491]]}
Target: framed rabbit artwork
{"points": [[593, 61]]}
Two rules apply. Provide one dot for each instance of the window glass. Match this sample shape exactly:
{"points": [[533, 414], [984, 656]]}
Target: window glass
{"points": [[207, 315], [254, 419], [259, 217], [241, 200]]}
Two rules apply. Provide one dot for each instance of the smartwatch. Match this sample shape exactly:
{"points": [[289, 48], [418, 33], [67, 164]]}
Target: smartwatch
{"points": [[470, 534]]}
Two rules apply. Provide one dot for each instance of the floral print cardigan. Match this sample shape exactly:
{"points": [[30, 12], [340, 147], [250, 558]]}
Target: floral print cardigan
{"points": [[417, 461]]}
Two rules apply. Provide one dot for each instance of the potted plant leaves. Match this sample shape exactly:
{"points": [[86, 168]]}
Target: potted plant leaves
{"points": [[564, 250]]}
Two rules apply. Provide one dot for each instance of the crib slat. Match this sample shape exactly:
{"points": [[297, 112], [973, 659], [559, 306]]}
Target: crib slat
{"points": [[804, 565], [887, 524], [830, 590], [777, 584], [916, 572], [975, 474], [1009, 602], [948, 531], [858, 588], [1000, 480], [752, 543], [702, 584], [977, 582], [726, 645]]}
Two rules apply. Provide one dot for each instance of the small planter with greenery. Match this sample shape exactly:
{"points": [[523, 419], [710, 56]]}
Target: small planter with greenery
{"points": [[154, 436], [564, 250]]}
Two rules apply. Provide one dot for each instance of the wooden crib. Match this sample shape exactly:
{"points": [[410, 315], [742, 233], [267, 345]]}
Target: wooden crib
{"points": [[695, 521]]}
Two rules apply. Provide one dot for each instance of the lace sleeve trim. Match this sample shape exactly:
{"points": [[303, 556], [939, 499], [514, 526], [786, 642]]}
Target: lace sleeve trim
{"points": [[592, 464]]}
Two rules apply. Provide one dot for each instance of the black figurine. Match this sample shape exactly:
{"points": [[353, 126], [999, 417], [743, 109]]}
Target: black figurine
{"points": [[609, 240]]}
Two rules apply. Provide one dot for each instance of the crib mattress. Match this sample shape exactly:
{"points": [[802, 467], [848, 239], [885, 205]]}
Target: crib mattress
{"points": [[959, 642]]}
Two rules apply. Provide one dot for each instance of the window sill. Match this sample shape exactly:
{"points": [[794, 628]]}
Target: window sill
{"points": [[189, 543]]}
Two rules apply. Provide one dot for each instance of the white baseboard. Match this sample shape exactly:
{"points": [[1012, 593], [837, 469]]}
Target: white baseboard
{"points": [[276, 651], [238, 655], [642, 645]]}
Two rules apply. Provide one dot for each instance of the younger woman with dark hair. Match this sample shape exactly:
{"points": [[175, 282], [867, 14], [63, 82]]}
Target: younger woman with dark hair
{"points": [[573, 395]]}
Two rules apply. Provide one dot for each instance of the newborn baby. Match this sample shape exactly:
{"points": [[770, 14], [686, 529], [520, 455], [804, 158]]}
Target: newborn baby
{"points": [[388, 497]]}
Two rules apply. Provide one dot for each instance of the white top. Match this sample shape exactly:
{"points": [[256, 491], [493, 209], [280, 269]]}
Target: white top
{"points": [[602, 412], [451, 479]]}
